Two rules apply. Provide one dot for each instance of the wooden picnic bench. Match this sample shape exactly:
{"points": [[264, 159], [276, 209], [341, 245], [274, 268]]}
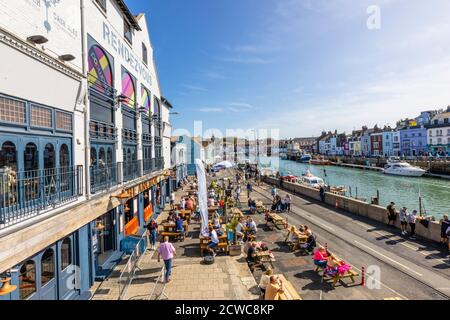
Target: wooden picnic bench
{"points": [[348, 274], [277, 221], [301, 238], [223, 244], [264, 257], [289, 292]]}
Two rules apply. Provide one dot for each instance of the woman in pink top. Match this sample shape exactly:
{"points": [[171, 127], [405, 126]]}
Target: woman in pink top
{"points": [[320, 257]]}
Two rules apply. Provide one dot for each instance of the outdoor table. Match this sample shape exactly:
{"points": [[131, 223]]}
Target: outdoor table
{"points": [[277, 220], [170, 226], [265, 257]]}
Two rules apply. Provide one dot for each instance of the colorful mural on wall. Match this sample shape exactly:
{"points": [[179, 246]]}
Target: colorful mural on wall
{"points": [[145, 101], [128, 89], [100, 71]]}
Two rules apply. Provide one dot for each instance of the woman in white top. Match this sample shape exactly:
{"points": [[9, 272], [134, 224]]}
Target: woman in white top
{"points": [[265, 280], [412, 223]]}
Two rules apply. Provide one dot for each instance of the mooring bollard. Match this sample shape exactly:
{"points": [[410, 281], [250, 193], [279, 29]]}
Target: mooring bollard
{"points": [[362, 276]]}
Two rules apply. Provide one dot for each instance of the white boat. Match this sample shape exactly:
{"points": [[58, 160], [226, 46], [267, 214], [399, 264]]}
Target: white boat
{"points": [[403, 169], [311, 180]]}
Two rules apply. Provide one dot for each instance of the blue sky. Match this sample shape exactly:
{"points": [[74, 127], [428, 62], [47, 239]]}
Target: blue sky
{"points": [[299, 66]]}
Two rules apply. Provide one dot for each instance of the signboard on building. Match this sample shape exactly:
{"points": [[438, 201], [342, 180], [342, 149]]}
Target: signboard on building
{"points": [[57, 20]]}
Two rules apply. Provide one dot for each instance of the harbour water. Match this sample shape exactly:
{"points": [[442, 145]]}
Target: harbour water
{"points": [[404, 191]]}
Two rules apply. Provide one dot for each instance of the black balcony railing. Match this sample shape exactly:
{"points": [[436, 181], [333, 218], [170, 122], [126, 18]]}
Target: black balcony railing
{"points": [[148, 165], [29, 193], [132, 170], [105, 176]]}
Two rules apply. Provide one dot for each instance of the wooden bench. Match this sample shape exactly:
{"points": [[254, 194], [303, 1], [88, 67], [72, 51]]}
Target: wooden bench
{"points": [[289, 292], [223, 244], [301, 239], [277, 221], [349, 274], [176, 235]]}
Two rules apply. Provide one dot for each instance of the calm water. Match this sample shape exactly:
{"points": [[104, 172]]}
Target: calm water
{"points": [[404, 191]]}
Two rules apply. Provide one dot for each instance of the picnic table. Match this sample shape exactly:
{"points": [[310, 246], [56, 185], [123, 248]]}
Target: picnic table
{"points": [[264, 257], [338, 277], [260, 207], [301, 238], [277, 220], [223, 244], [169, 230], [289, 292], [185, 214]]}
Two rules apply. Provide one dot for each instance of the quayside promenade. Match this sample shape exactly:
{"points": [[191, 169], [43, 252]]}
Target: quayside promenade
{"points": [[405, 269]]}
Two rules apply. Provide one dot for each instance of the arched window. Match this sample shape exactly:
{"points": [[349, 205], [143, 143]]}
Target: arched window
{"points": [[93, 156], [66, 253], [100, 71], [49, 156], [102, 158], [157, 107], [145, 101], [47, 266], [128, 89], [8, 157], [27, 279], [30, 157], [64, 156], [109, 156]]}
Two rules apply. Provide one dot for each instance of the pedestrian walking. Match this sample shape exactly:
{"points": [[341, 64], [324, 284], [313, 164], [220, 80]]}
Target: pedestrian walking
{"points": [[404, 220], [274, 192], [412, 217], [249, 189], [322, 193], [166, 252], [172, 200], [152, 228]]}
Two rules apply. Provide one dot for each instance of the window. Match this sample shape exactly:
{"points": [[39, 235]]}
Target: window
{"points": [[8, 157], [41, 117], [63, 121], [12, 110], [127, 31], [47, 266], [144, 54], [102, 4], [446, 120], [66, 253], [27, 279], [439, 140]]}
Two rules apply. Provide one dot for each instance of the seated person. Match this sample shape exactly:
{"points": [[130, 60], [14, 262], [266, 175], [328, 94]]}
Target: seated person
{"points": [[265, 280], [179, 225], [172, 216], [251, 256], [239, 230], [332, 268], [250, 226], [320, 257], [211, 202], [214, 240], [273, 288], [292, 236], [310, 242]]}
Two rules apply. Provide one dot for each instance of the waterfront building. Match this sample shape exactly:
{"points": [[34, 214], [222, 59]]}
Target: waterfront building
{"points": [[438, 132], [354, 143], [365, 141], [413, 141], [84, 144], [179, 159], [322, 142], [387, 142], [396, 146], [194, 150], [376, 142]]}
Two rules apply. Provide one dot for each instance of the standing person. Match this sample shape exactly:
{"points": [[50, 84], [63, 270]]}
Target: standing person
{"points": [[322, 193], [392, 214], [274, 192], [183, 203], [238, 193], [152, 228], [167, 252], [445, 224], [412, 217], [404, 220], [172, 200], [288, 201], [249, 189]]}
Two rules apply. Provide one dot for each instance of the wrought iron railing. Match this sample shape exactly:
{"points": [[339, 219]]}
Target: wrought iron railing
{"points": [[105, 176], [132, 170], [29, 193]]}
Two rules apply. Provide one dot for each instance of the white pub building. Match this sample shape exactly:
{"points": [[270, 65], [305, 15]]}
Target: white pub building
{"points": [[84, 143]]}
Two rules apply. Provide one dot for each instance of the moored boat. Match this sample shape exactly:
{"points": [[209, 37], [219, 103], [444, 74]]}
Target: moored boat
{"points": [[305, 158], [311, 180], [403, 169], [320, 161]]}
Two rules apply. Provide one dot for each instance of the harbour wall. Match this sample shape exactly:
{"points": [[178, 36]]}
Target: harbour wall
{"points": [[358, 207]]}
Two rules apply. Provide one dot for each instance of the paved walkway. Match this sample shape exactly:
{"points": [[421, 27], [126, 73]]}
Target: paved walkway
{"points": [[229, 278]]}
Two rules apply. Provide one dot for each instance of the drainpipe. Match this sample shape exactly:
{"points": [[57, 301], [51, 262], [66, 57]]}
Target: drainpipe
{"points": [[87, 115]]}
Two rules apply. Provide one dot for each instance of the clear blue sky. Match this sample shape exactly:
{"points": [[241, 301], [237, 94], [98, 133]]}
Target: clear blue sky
{"points": [[299, 65]]}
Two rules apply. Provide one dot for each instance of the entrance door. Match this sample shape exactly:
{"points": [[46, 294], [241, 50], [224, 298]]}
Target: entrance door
{"points": [[66, 268], [48, 274]]}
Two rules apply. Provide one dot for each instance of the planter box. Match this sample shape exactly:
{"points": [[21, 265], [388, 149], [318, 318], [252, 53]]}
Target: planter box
{"points": [[235, 250]]}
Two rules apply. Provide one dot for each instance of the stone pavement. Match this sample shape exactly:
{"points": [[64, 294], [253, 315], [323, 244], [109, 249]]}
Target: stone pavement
{"points": [[229, 278]]}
